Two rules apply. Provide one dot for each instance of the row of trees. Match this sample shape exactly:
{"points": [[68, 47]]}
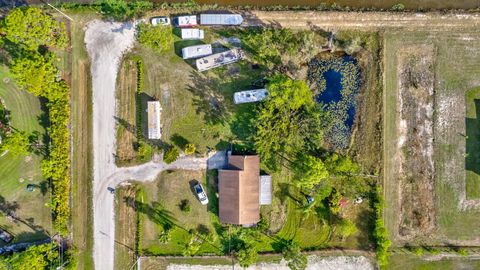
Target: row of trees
{"points": [[28, 34], [44, 256]]}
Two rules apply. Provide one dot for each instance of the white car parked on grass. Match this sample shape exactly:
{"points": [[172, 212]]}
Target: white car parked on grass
{"points": [[161, 20], [202, 196]]}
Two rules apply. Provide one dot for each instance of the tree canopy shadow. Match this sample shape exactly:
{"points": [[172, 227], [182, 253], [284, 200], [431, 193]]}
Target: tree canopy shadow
{"points": [[179, 140], [207, 99], [472, 130]]}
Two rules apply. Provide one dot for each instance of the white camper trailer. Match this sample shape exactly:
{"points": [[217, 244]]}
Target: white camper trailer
{"points": [[196, 51]]}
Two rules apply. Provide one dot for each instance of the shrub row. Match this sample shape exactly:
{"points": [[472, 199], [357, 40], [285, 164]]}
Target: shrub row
{"points": [[140, 70], [57, 165], [380, 233], [190, 5]]}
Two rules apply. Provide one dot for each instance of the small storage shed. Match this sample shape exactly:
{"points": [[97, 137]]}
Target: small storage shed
{"points": [[265, 190], [196, 51], [192, 33], [221, 19], [154, 111]]}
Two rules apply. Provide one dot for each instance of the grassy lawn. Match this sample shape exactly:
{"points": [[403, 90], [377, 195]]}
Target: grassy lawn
{"points": [[170, 188], [413, 262], [472, 160], [33, 218], [197, 107]]}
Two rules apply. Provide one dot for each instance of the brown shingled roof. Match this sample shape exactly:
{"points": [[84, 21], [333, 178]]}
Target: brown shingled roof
{"points": [[239, 191]]}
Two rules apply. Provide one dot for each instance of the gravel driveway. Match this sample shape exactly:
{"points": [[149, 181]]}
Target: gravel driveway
{"points": [[106, 43]]}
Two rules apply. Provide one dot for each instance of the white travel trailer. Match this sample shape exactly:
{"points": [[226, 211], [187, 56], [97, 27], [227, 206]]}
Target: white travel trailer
{"points": [[196, 51]]}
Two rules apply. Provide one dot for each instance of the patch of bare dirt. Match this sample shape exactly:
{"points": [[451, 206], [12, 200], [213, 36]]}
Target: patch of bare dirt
{"points": [[415, 71]]}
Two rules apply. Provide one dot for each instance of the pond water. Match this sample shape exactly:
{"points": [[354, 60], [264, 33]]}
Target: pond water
{"points": [[333, 92]]}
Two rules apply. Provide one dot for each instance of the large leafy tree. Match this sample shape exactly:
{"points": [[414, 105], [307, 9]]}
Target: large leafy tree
{"points": [[159, 38], [122, 10], [16, 143], [309, 171], [289, 121], [30, 27], [38, 257], [293, 255], [34, 72]]}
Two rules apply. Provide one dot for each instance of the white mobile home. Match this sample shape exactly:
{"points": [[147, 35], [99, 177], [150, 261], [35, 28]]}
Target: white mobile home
{"points": [[250, 96], [185, 21], [221, 19], [191, 33], [196, 51], [154, 111]]}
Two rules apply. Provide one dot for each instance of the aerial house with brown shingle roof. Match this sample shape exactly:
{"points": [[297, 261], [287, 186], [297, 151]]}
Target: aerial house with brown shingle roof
{"points": [[239, 191]]}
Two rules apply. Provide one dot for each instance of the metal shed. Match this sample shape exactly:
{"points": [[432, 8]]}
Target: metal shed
{"points": [[154, 110], [221, 19], [196, 51]]}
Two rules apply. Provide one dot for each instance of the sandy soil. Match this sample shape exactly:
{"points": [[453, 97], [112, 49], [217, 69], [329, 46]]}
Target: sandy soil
{"points": [[106, 43], [314, 263], [415, 141]]}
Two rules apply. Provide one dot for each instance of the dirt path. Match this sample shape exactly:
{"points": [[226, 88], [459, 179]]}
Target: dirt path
{"points": [[329, 21], [314, 263]]}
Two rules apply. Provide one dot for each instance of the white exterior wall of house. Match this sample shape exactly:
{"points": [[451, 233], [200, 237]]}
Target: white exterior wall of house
{"points": [[154, 112]]}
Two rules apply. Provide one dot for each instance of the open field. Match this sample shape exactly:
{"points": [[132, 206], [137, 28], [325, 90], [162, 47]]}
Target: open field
{"points": [[32, 218], [126, 113], [455, 71]]}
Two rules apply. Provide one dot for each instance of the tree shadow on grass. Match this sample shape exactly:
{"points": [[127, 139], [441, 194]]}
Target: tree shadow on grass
{"points": [[127, 125], [179, 140], [208, 99], [472, 126]]}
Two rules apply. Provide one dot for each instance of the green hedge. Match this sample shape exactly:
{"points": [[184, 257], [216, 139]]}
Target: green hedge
{"points": [[380, 233]]}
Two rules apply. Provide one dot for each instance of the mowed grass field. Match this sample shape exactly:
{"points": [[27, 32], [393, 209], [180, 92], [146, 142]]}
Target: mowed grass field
{"points": [[456, 72], [413, 262], [33, 217]]}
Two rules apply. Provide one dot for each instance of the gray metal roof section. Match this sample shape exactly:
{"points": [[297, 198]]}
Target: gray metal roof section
{"points": [[221, 19], [265, 190]]}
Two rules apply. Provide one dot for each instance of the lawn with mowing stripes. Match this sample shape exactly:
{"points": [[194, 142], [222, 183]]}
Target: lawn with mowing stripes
{"points": [[33, 220]]}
